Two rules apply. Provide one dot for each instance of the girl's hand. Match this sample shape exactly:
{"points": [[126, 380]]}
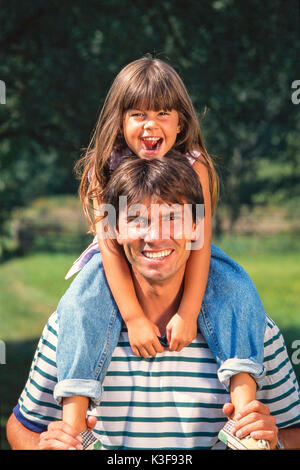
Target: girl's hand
{"points": [[254, 419], [180, 332], [143, 337]]}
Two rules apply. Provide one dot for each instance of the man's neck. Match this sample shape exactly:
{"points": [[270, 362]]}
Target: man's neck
{"points": [[159, 301]]}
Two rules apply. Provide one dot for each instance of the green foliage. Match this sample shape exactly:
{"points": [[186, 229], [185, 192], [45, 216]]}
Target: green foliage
{"points": [[50, 224], [237, 59]]}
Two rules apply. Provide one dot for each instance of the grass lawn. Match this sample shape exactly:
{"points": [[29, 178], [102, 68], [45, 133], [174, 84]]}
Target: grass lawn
{"points": [[30, 288], [273, 264]]}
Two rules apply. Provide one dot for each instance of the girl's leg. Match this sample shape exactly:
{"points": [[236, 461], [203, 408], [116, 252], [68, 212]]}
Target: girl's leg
{"points": [[233, 320], [242, 391], [89, 329], [74, 411]]}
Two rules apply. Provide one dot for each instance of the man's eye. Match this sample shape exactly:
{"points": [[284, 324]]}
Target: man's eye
{"points": [[171, 217]]}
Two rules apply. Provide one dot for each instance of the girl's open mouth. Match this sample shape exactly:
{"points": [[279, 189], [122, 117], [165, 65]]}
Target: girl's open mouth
{"points": [[151, 144]]}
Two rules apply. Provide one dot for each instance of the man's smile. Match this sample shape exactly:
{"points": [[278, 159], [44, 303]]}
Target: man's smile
{"points": [[157, 255]]}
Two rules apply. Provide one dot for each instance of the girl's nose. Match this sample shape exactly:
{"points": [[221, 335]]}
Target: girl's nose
{"points": [[150, 124]]}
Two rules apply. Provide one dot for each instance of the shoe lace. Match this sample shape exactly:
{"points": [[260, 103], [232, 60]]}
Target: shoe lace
{"points": [[261, 443]]}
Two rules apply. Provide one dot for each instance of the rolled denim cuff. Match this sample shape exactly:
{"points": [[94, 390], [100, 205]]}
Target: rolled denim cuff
{"points": [[78, 387], [234, 366]]}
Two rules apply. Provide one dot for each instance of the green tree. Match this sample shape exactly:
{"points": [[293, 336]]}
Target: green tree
{"points": [[237, 59]]}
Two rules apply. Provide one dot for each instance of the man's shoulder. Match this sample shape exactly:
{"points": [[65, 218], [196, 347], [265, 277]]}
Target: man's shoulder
{"points": [[53, 320], [280, 391], [51, 326], [276, 356], [272, 332]]}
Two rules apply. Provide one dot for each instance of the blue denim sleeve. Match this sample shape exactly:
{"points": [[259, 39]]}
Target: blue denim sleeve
{"points": [[89, 329], [233, 319]]}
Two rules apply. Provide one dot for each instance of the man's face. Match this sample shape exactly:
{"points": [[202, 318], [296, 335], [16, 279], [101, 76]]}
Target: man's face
{"points": [[154, 238]]}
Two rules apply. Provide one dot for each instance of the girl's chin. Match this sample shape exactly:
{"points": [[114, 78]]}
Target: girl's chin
{"points": [[145, 153]]}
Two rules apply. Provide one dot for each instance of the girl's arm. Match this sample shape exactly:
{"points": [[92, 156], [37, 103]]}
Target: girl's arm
{"points": [[242, 386], [141, 331], [183, 327], [197, 269]]}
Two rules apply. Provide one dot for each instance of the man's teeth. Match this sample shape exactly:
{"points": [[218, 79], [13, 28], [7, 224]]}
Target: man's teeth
{"points": [[157, 254]]}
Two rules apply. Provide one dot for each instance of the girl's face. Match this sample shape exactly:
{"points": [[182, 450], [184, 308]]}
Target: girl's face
{"points": [[150, 134]]}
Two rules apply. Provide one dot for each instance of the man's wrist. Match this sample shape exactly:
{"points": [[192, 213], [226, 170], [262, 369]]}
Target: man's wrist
{"points": [[280, 444], [290, 437]]}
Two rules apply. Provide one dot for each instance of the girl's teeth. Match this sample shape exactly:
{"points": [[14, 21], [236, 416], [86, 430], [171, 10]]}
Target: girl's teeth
{"points": [[151, 143], [159, 254]]}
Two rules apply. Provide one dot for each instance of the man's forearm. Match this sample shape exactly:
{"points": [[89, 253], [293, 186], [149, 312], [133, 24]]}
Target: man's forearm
{"points": [[19, 437]]}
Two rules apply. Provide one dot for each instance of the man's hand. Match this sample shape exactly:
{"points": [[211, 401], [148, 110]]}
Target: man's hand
{"points": [[61, 436], [254, 419], [180, 332], [143, 337]]}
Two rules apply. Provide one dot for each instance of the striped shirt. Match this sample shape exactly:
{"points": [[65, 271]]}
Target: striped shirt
{"points": [[171, 401]]}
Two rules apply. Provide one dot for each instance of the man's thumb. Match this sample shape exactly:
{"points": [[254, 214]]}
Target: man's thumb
{"points": [[91, 422], [228, 409]]}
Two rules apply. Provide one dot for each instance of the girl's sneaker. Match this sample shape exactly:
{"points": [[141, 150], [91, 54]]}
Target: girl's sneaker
{"points": [[89, 441], [246, 443]]}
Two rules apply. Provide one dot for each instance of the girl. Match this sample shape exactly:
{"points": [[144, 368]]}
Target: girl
{"points": [[148, 112]]}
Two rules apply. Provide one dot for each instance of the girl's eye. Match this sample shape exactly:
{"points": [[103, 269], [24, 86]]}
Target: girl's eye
{"points": [[137, 115], [164, 113]]}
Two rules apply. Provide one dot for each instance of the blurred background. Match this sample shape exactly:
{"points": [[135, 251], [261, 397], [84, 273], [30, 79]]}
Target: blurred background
{"points": [[57, 61]]}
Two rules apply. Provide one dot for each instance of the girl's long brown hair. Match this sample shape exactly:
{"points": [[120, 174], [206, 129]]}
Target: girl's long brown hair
{"points": [[146, 83]]}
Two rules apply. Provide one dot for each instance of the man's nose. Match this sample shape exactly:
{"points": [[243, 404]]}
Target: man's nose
{"points": [[153, 232]]}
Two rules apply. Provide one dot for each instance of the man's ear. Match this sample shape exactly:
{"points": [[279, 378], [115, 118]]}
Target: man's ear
{"points": [[197, 235], [194, 232], [118, 236]]}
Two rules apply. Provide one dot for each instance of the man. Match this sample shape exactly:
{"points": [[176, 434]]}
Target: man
{"points": [[173, 400]]}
